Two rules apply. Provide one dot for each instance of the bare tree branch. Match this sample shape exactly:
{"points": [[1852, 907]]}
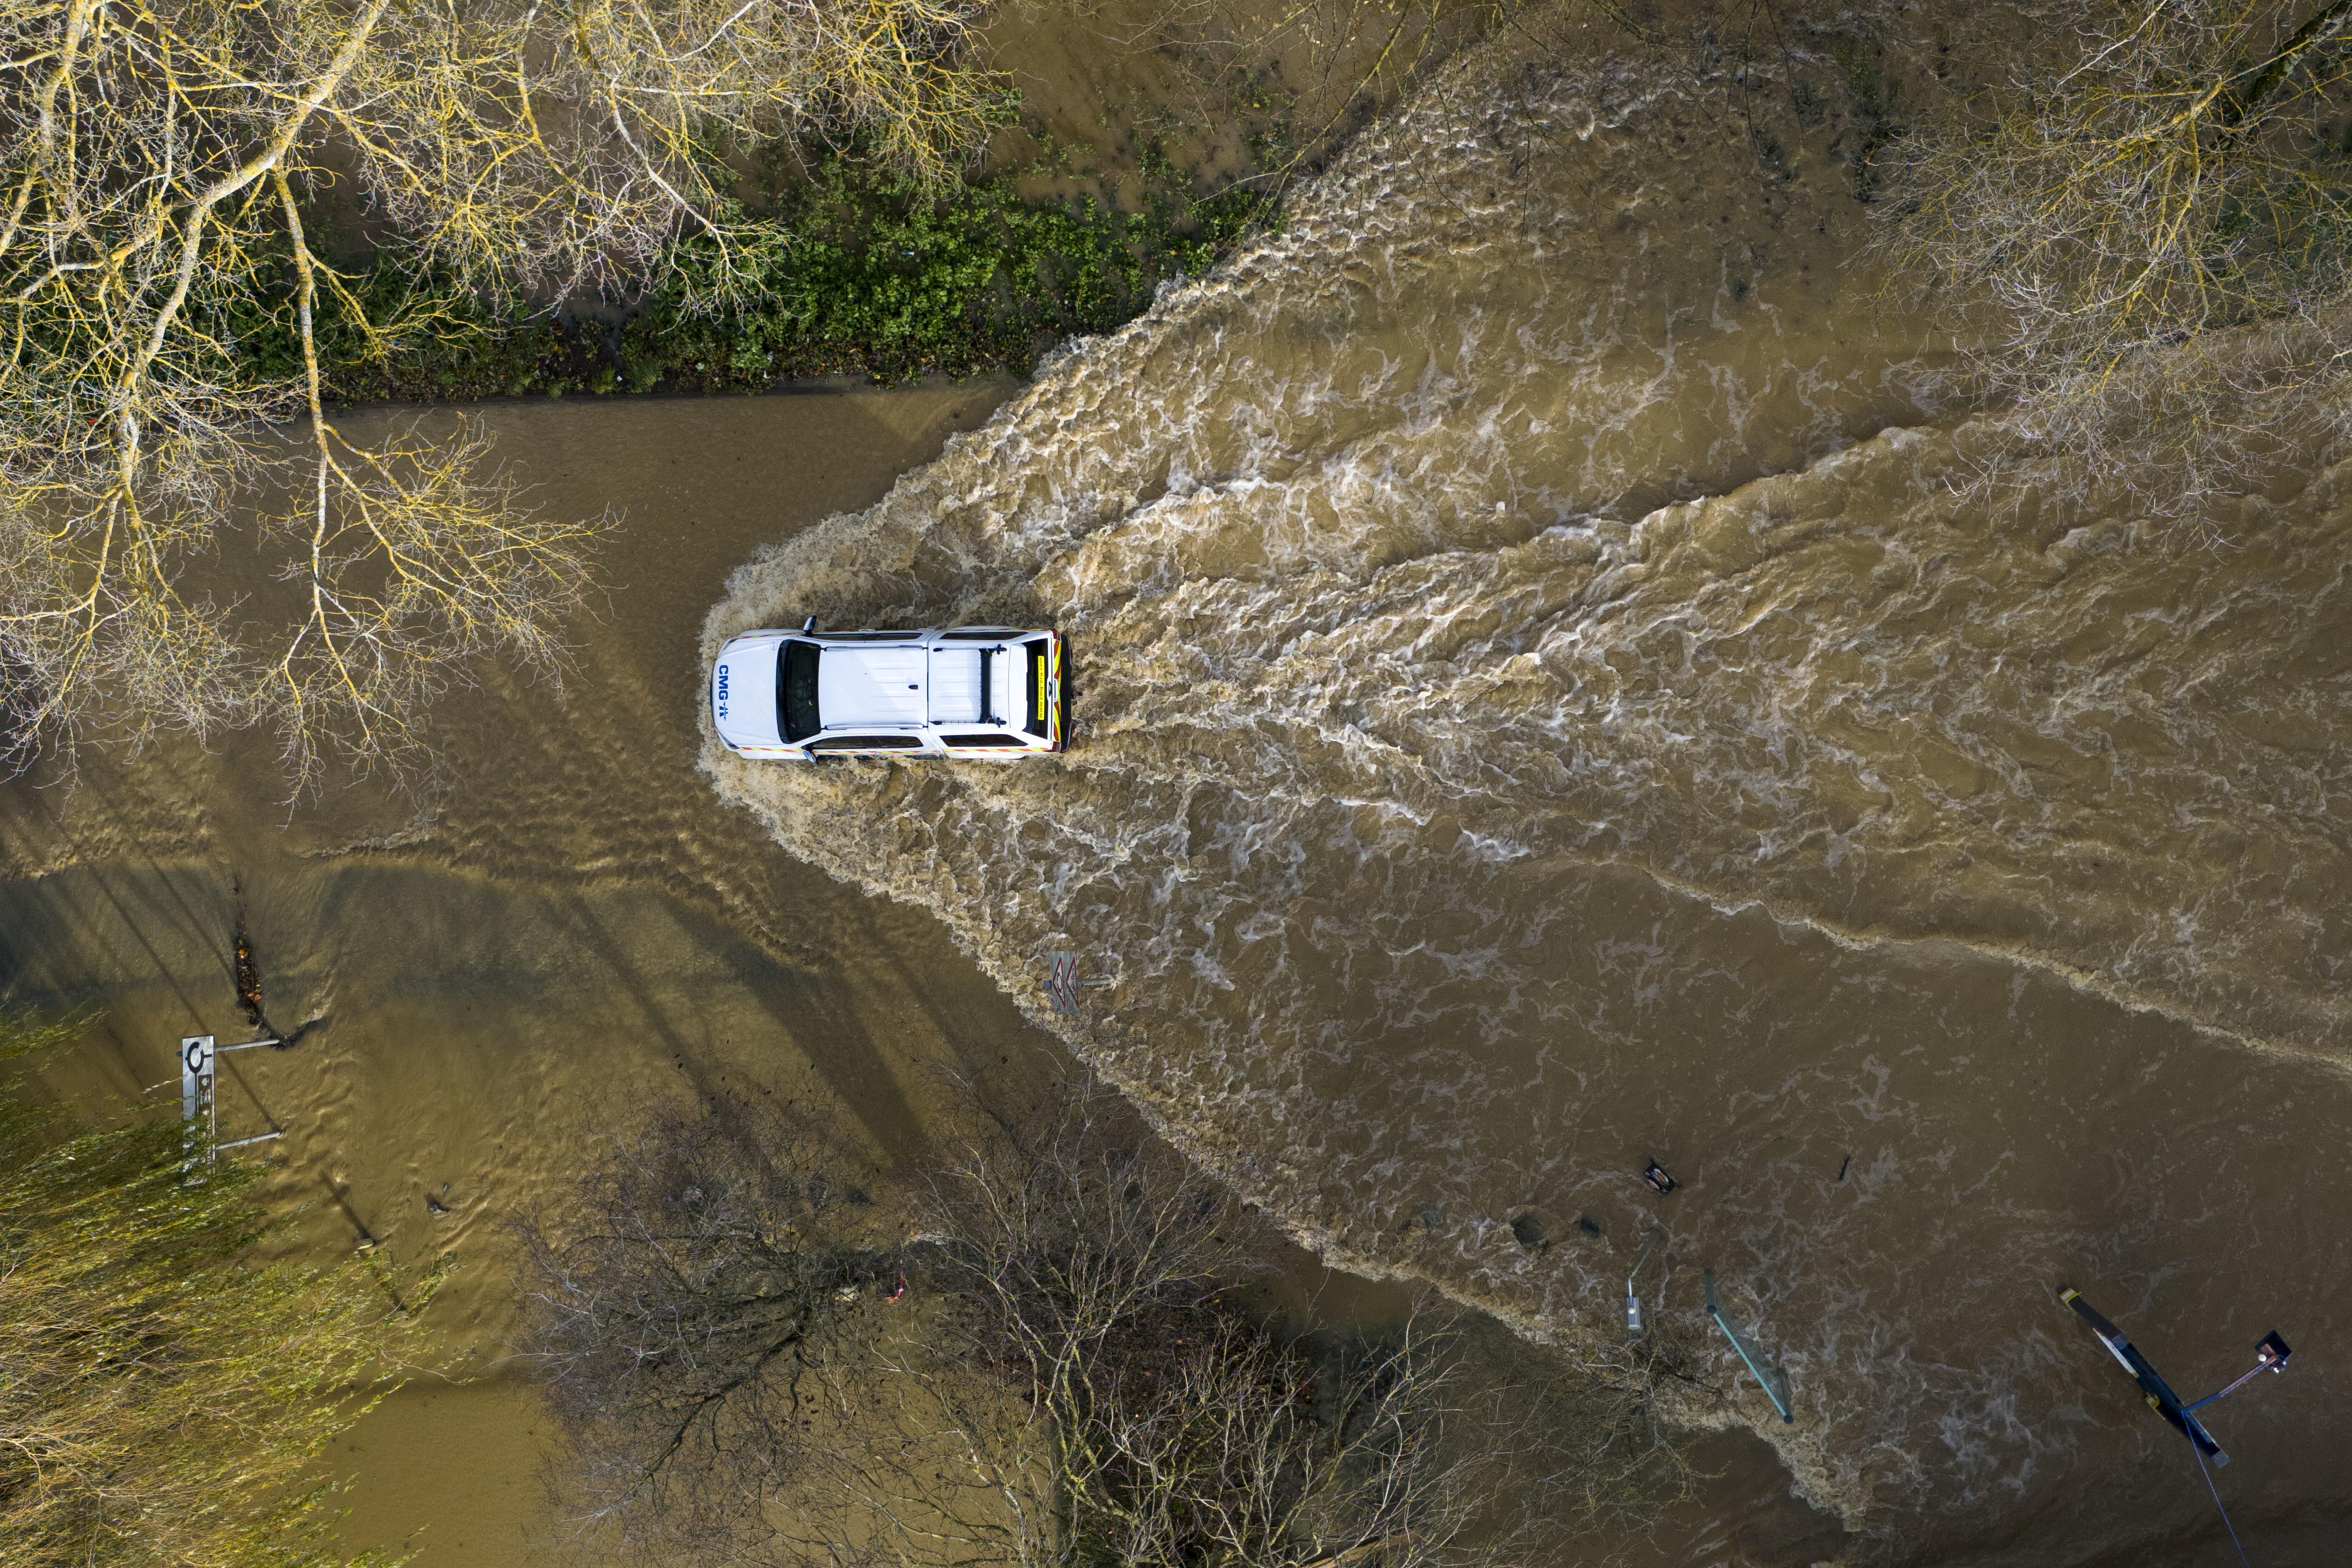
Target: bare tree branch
{"points": [[1065, 1370], [2151, 241], [153, 156]]}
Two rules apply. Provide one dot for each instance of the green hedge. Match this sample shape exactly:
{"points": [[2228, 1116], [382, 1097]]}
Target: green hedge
{"points": [[858, 271]]}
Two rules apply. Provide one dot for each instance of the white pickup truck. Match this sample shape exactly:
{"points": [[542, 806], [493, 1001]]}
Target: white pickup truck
{"points": [[966, 691]]}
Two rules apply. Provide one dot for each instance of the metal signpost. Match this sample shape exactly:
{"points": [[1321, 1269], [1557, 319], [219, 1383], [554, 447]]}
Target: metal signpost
{"points": [[1774, 1382], [2270, 1355], [197, 1065], [1061, 982]]}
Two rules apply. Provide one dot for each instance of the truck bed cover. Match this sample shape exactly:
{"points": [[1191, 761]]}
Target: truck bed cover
{"points": [[972, 685]]}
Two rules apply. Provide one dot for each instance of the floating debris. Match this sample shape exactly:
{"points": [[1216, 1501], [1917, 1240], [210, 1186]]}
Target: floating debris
{"points": [[248, 978]]}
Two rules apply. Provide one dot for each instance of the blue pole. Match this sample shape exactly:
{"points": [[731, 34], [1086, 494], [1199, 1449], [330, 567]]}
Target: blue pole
{"points": [[1775, 1384]]}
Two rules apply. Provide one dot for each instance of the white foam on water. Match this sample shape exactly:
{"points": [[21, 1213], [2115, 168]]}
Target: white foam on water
{"points": [[1545, 695]]}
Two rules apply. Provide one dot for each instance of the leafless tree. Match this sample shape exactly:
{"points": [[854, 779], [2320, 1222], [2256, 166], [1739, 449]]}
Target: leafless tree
{"points": [[1066, 1371], [1099, 1395], [2149, 236], [155, 159], [692, 1307]]}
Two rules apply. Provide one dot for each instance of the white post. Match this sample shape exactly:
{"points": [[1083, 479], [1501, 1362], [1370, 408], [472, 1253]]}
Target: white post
{"points": [[196, 1083], [197, 1075], [1633, 1301]]}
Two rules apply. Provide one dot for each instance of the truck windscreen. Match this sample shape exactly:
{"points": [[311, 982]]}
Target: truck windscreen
{"points": [[796, 690]]}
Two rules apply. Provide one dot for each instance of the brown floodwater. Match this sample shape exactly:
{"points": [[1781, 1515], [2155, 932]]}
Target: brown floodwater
{"points": [[1550, 693], [1546, 697], [570, 930]]}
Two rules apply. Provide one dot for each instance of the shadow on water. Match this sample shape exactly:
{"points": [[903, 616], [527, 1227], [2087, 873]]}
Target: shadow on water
{"points": [[46, 920], [814, 1011], [481, 1030]]}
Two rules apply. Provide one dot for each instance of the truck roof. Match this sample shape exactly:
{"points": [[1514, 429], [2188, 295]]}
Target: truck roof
{"points": [[963, 688], [866, 685]]}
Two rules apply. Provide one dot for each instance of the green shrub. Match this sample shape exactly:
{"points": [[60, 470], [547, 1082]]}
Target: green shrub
{"points": [[859, 271]]}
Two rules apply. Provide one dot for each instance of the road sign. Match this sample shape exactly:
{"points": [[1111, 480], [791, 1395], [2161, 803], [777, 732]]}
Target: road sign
{"points": [[196, 1080], [199, 1076], [1062, 981], [2270, 1355]]}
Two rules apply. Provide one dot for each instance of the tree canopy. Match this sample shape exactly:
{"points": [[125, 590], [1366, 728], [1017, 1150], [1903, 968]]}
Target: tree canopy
{"points": [[1046, 1357], [2184, 171], [162, 167]]}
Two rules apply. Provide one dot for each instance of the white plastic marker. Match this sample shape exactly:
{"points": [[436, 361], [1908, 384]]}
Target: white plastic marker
{"points": [[1633, 1301]]}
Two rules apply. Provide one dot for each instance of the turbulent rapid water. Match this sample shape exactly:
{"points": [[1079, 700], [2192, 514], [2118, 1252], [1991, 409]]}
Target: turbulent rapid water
{"points": [[1549, 694]]}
